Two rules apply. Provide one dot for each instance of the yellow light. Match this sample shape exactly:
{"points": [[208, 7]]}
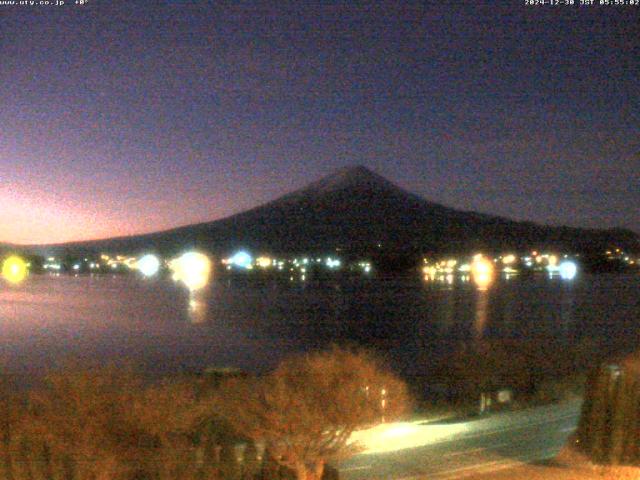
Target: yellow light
{"points": [[14, 270], [263, 262], [509, 259], [482, 272], [452, 263], [553, 260], [430, 273], [193, 269]]}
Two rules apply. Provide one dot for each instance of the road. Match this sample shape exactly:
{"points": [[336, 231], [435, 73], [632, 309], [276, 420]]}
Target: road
{"points": [[448, 450]]}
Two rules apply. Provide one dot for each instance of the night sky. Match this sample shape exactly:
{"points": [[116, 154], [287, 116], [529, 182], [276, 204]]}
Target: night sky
{"points": [[127, 117]]}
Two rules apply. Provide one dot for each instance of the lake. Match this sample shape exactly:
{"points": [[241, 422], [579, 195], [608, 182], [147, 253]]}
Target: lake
{"points": [[251, 324]]}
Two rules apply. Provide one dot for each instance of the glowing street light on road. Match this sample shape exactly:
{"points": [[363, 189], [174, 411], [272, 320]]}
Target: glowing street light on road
{"points": [[14, 270]]}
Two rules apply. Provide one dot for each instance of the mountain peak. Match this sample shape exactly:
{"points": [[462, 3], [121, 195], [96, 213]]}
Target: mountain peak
{"points": [[357, 176], [355, 171]]}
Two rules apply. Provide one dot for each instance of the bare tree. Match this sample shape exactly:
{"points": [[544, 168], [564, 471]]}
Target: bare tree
{"points": [[306, 409], [103, 423]]}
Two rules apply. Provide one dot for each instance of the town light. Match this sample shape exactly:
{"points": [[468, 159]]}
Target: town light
{"points": [[264, 262], [241, 259], [148, 265], [14, 269], [509, 259], [193, 269], [568, 270], [430, 273], [482, 272], [333, 262]]}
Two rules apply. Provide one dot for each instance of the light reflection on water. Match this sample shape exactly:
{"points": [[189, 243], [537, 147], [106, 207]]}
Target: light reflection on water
{"points": [[482, 312], [199, 306], [252, 324]]}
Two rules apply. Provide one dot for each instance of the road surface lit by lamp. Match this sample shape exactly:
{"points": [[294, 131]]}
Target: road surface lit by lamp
{"points": [[14, 270], [148, 265], [391, 437], [193, 269]]}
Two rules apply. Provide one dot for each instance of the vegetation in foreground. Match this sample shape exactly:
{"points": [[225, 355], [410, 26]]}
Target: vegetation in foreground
{"points": [[105, 424], [537, 372], [609, 429], [607, 442]]}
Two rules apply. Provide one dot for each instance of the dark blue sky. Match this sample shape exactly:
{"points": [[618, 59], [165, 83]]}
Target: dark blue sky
{"points": [[128, 117]]}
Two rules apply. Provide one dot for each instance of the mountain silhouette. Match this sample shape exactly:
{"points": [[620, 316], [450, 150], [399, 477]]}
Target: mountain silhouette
{"points": [[357, 211]]}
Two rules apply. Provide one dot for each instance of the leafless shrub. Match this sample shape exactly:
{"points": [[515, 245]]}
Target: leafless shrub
{"points": [[306, 410]]}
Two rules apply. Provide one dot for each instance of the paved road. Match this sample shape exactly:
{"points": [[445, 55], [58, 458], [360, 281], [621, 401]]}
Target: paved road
{"points": [[456, 449]]}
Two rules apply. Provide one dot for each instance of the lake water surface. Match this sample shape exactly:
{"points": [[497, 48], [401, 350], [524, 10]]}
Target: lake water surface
{"points": [[252, 324]]}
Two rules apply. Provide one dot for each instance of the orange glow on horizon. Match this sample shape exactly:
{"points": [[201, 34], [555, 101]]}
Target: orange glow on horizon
{"points": [[33, 217], [30, 219], [42, 219]]}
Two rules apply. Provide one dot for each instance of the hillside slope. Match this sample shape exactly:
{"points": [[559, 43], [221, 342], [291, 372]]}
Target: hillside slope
{"points": [[355, 210]]}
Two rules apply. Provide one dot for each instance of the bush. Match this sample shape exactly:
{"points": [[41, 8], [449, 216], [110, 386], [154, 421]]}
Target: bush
{"points": [[306, 410], [103, 424], [106, 424]]}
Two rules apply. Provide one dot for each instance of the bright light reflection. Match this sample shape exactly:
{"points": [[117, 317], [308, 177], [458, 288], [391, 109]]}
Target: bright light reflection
{"points": [[148, 265], [14, 269], [193, 269]]}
